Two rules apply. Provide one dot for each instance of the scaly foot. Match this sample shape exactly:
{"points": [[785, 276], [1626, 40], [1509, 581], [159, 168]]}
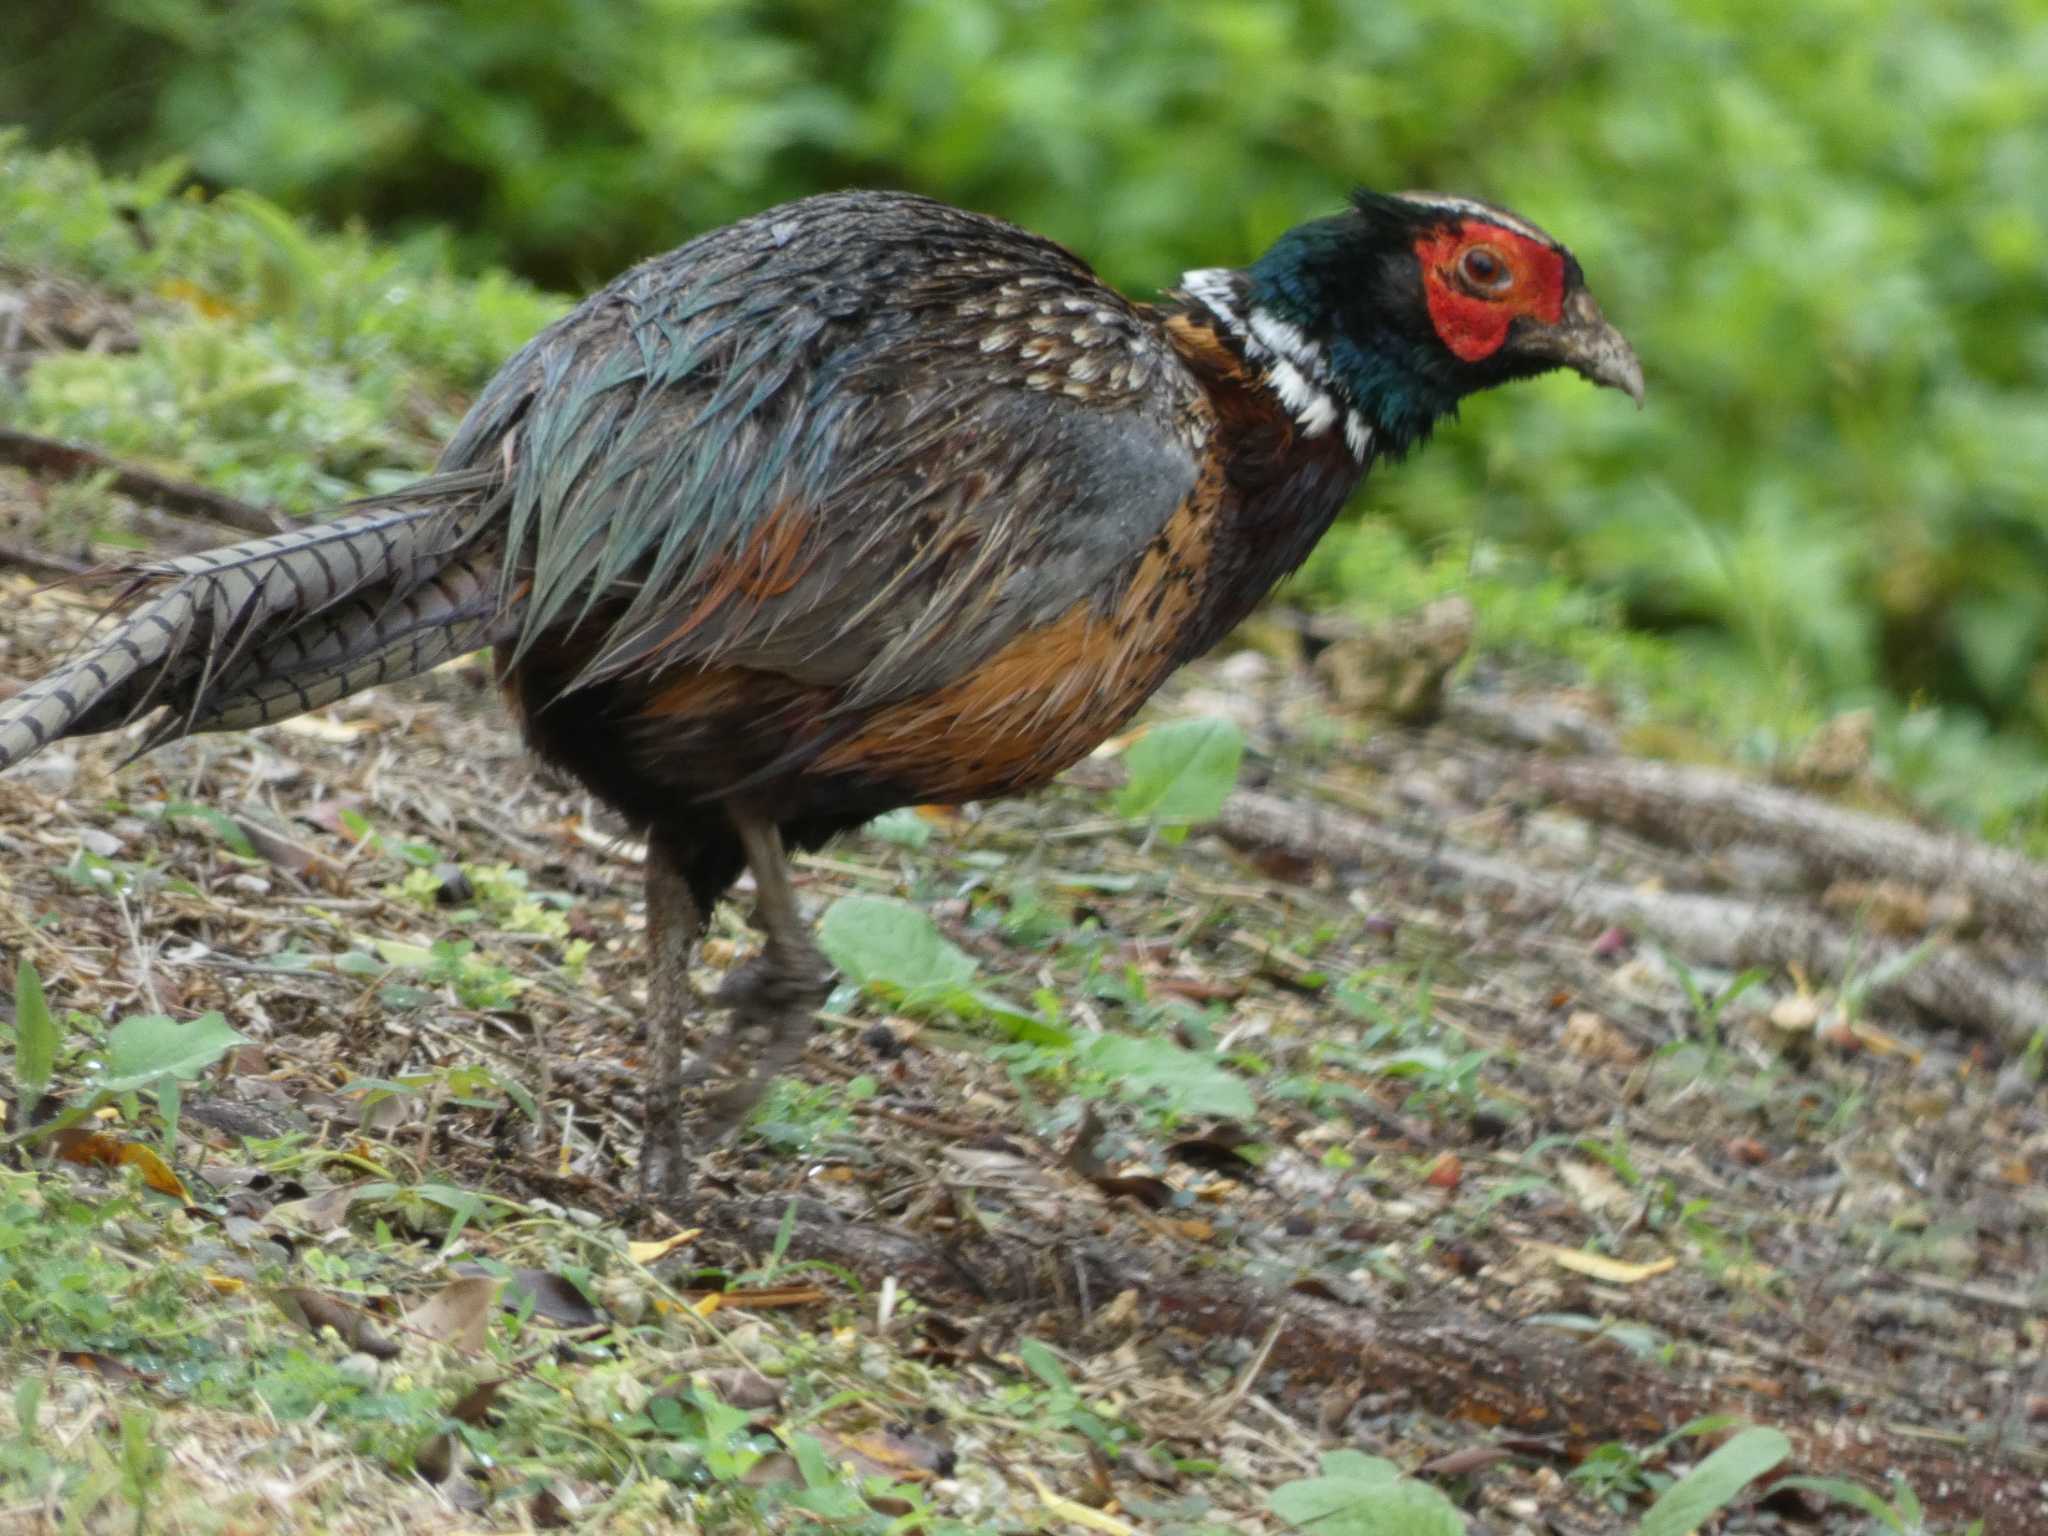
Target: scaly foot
{"points": [[774, 1000]]}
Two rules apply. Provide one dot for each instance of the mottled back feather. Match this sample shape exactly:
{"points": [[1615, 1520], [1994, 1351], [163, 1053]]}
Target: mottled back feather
{"points": [[883, 457]]}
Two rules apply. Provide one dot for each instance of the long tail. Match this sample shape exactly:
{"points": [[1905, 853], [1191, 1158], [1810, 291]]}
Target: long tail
{"points": [[258, 631]]}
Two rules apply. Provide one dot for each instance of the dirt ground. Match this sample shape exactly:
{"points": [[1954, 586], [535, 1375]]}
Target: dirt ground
{"points": [[1588, 1096]]}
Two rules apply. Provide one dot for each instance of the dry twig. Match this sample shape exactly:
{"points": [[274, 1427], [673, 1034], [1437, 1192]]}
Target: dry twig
{"points": [[47, 456]]}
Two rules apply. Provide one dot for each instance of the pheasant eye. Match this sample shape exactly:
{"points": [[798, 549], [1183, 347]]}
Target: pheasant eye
{"points": [[1483, 268]]}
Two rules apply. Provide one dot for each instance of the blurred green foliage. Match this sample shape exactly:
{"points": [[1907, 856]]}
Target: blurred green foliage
{"points": [[1824, 226], [335, 363]]}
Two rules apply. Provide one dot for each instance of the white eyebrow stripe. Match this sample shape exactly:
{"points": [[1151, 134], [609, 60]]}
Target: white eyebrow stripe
{"points": [[1484, 212]]}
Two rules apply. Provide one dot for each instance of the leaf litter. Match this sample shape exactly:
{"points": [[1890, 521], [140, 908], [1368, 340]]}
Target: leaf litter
{"points": [[1295, 1120]]}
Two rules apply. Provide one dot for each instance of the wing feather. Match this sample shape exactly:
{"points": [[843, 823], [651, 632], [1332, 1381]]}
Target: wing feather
{"points": [[861, 441]]}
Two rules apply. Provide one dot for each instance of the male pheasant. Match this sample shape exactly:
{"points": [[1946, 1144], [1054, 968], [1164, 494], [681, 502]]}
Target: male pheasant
{"points": [[861, 502]]}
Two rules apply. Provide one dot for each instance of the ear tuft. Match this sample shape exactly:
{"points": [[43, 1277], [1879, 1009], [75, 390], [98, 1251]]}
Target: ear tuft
{"points": [[1395, 215]]}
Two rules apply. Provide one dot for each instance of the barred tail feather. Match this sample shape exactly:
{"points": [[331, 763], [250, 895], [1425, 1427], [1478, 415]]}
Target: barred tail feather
{"points": [[375, 637], [256, 631]]}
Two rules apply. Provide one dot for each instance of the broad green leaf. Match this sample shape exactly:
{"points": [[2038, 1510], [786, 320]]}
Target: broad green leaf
{"points": [[903, 827], [1191, 1083], [878, 942], [1181, 772], [410, 957], [35, 1038], [1347, 1476], [142, 1049], [826, 1492], [1361, 1495], [810, 1460], [1712, 1485], [1032, 1028]]}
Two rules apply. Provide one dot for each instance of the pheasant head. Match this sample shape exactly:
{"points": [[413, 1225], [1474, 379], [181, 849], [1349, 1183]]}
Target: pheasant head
{"points": [[1382, 318]]}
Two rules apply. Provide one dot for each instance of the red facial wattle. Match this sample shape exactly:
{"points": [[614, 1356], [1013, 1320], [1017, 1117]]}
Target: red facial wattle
{"points": [[1474, 325]]}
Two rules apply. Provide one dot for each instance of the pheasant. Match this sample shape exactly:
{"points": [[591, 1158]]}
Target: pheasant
{"points": [[862, 502]]}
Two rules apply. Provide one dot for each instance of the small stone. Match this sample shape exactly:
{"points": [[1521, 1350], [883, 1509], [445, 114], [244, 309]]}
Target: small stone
{"points": [[52, 771], [1613, 943], [454, 887], [1796, 1014]]}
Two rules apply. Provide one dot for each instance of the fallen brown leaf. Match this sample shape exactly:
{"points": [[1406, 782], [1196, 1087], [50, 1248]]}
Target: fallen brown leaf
{"points": [[96, 1148], [314, 1310], [475, 1404], [104, 1366], [743, 1388], [555, 1298], [653, 1253], [459, 1314]]}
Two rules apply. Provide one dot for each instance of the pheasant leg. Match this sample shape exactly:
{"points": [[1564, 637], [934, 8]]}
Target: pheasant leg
{"points": [[775, 996], [673, 924]]}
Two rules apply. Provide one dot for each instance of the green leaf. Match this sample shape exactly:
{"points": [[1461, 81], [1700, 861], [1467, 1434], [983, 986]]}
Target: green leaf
{"points": [[1842, 1491], [1712, 1485], [891, 944], [826, 1492], [1193, 1084], [518, 1093], [1345, 1475], [28, 1408], [1031, 1028], [374, 1090], [1182, 771], [810, 1460], [903, 827], [223, 826], [143, 1049], [410, 957], [1044, 1364], [35, 1038], [1361, 1495]]}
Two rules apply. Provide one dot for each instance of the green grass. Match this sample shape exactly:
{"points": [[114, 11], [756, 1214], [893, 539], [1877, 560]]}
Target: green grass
{"points": [[283, 366]]}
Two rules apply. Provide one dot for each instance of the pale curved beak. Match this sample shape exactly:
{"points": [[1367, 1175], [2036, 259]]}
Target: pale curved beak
{"points": [[1584, 342]]}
